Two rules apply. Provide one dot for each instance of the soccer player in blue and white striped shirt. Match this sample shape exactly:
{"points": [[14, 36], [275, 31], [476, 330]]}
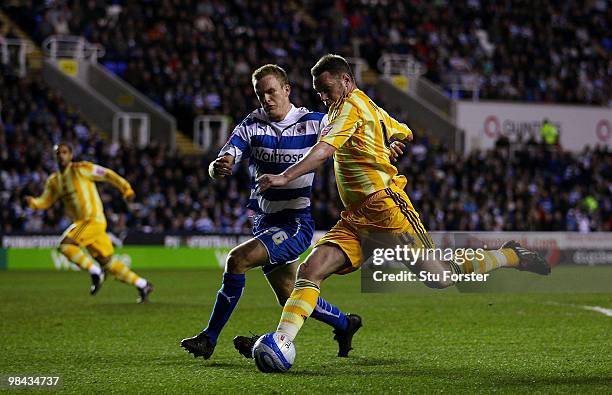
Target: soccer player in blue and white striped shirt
{"points": [[272, 138]]}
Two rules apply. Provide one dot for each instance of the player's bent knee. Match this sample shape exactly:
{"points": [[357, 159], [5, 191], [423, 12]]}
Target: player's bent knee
{"points": [[237, 262], [103, 260], [311, 270], [67, 240], [321, 263], [246, 256], [306, 272], [63, 247]]}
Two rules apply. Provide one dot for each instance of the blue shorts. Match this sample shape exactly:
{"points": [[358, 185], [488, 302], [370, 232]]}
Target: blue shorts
{"points": [[285, 239]]}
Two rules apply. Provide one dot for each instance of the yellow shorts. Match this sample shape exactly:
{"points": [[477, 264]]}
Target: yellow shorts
{"points": [[91, 235], [388, 211]]}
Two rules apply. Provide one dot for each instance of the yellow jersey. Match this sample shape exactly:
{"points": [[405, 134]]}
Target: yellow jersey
{"points": [[361, 133], [76, 187]]}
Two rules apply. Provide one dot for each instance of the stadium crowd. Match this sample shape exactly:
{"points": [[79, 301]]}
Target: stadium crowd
{"points": [[529, 187], [195, 57]]}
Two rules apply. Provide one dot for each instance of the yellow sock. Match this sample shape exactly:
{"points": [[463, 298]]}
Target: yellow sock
{"points": [[124, 274], [298, 307], [491, 260], [79, 258], [512, 259]]}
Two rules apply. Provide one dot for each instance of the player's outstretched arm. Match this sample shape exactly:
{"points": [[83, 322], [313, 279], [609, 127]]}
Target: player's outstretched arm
{"points": [[120, 183], [46, 200], [221, 167], [317, 155], [99, 173]]}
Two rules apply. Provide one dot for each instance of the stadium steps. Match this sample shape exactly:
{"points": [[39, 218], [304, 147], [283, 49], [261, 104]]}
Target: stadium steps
{"points": [[35, 56], [35, 62], [185, 146], [421, 103], [423, 108], [95, 93]]}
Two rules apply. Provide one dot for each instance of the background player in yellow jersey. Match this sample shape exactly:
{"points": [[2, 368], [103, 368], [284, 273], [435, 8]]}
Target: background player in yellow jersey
{"points": [[358, 136], [74, 184]]}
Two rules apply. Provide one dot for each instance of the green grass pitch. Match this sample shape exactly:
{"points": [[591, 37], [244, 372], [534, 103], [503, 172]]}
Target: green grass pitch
{"points": [[418, 342]]}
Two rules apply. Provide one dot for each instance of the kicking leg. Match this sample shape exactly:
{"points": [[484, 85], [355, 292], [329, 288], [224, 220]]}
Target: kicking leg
{"points": [[511, 254], [247, 255]]}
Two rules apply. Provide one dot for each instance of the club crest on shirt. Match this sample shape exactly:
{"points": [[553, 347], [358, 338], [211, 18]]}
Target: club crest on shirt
{"points": [[325, 130]]}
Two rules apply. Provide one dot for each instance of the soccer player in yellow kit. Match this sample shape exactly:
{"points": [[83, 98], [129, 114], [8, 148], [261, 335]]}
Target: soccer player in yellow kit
{"points": [[74, 184], [358, 136]]}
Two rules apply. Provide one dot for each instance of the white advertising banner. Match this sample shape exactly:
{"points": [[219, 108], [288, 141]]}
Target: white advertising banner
{"points": [[578, 126]]}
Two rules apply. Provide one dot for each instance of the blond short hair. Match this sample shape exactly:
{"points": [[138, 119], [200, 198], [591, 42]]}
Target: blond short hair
{"points": [[270, 69]]}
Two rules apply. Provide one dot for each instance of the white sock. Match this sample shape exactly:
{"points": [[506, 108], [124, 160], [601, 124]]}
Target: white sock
{"points": [[500, 257], [95, 269], [141, 283]]}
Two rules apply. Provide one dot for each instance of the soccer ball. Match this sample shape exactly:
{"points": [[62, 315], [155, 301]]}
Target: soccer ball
{"points": [[274, 353]]}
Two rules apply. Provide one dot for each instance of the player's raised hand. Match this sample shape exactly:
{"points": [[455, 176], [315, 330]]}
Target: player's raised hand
{"points": [[270, 180], [221, 167], [397, 150], [129, 195]]}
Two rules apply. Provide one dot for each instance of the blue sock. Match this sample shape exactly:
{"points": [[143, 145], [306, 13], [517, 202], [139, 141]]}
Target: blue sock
{"points": [[227, 299], [330, 314]]}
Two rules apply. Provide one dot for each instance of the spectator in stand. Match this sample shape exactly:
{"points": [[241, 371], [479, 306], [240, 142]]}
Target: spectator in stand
{"points": [[549, 133], [552, 189], [193, 57]]}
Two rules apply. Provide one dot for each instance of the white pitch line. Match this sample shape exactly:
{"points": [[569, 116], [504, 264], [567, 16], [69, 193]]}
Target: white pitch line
{"points": [[597, 309]]}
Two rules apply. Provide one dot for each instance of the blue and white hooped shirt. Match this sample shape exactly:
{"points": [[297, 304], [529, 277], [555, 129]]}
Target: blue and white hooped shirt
{"points": [[271, 148]]}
